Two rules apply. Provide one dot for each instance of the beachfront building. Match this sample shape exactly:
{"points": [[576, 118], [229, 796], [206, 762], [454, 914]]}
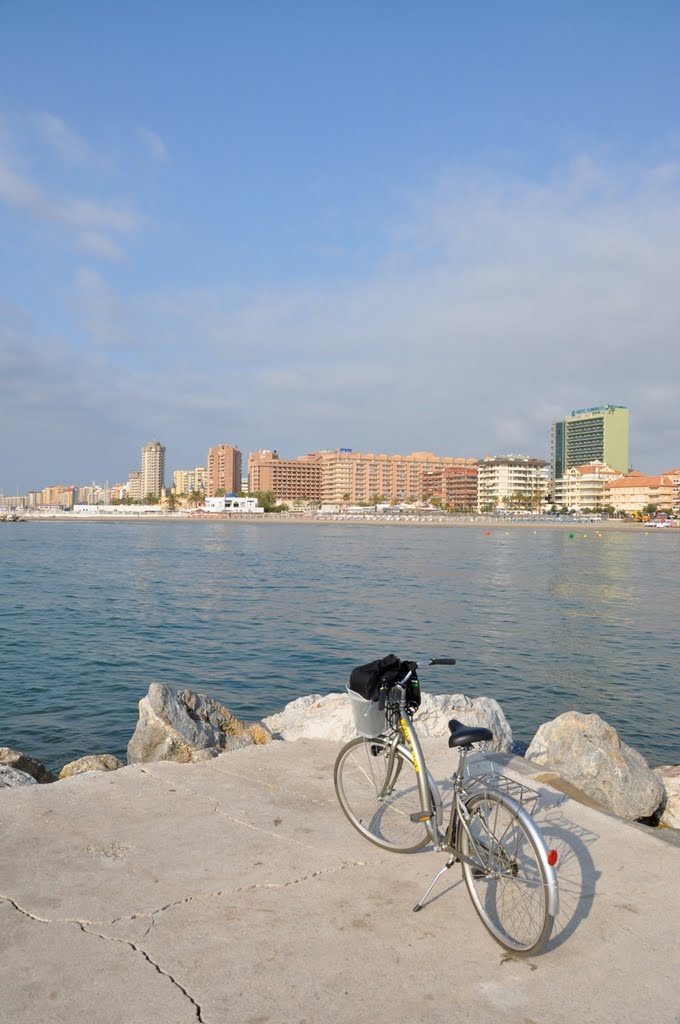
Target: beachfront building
{"points": [[674, 475], [287, 479], [459, 485], [598, 434], [134, 485], [11, 501], [582, 487], [231, 504], [92, 494], [153, 469], [363, 478], [186, 481], [511, 482], [454, 485], [57, 496], [635, 492], [223, 471]]}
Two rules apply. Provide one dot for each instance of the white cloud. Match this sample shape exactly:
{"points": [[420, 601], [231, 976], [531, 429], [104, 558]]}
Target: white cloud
{"points": [[102, 313], [155, 146], [19, 192], [101, 245], [499, 306], [63, 141]]}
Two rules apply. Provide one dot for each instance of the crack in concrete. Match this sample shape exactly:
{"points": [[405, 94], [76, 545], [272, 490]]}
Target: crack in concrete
{"points": [[238, 821], [34, 917], [240, 890], [195, 897], [87, 928], [156, 966], [230, 774]]}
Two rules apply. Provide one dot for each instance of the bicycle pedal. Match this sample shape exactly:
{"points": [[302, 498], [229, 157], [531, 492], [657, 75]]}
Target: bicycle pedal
{"points": [[420, 816]]}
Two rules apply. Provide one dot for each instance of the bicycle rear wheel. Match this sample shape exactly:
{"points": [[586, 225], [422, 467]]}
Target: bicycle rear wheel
{"points": [[378, 799], [509, 884]]}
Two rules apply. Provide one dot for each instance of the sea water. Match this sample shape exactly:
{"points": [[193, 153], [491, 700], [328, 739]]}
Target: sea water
{"points": [[257, 614]]}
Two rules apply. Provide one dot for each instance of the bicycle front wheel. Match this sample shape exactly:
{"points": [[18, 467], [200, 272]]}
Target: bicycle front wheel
{"points": [[379, 794], [510, 879]]}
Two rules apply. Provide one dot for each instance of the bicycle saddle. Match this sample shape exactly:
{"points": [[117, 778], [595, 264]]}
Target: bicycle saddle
{"points": [[464, 735]]}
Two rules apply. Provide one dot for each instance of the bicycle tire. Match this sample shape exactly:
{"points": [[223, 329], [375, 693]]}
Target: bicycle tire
{"points": [[359, 776], [509, 888]]}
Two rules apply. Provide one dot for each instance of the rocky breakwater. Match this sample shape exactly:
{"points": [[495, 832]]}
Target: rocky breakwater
{"points": [[578, 750], [183, 726], [187, 726]]}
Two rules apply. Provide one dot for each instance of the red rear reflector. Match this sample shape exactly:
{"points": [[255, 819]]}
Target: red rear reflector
{"points": [[552, 858]]}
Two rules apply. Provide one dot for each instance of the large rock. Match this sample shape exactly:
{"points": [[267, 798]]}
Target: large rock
{"points": [[330, 718], [11, 778], [670, 809], [187, 726], [314, 717], [91, 763], [587, 752], [433, 717], [23, 763]]}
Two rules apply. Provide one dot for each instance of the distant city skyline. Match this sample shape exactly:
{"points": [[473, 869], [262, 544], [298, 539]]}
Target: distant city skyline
{"points": [[378, 226], [224, 467]]}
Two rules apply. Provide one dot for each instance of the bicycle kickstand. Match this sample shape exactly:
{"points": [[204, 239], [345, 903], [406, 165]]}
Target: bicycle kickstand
{"points": [[421, 902]]}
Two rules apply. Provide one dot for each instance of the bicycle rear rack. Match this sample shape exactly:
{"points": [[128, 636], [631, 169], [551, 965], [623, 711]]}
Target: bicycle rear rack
{"points": [[525, 796]]}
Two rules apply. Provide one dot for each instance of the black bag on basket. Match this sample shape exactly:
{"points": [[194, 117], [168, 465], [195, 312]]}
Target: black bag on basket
{"points": [[368, 680]]}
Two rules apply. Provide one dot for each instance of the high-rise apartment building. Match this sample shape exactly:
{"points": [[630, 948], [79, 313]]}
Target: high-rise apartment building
{"points": [[363, 477], [599, 434], [134, 485], [454, 485], [58, 496], [153, 469], [223, 471], [288, 479], [345, 476], [511, 481], [186, 481], [459, 485]]}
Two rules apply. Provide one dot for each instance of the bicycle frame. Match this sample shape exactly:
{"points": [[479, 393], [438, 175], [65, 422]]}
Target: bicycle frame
{"points": [[432, 816]]}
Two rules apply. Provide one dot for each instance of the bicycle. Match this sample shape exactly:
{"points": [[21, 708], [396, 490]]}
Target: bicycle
{"points": [[387, 793]]}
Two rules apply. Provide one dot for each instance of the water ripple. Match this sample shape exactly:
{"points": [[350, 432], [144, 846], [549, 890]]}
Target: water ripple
{"points": [[257, 615]]}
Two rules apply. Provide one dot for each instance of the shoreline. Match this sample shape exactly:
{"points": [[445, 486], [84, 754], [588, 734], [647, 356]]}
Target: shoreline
{"points": [[353, 520]]}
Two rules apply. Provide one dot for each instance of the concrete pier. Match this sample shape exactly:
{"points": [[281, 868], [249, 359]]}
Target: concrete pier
{"points": [[236, 891]]}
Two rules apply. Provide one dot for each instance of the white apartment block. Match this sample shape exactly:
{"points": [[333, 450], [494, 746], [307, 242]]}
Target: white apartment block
{"points": [[583, 487], [511, 481]]}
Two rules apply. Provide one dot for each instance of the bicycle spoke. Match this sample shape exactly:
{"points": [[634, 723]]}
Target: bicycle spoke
{"points": [[508, 888], [378, 792]]}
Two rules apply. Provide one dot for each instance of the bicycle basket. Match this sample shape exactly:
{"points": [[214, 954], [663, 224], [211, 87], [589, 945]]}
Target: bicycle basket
{"points": [[369, 720]]}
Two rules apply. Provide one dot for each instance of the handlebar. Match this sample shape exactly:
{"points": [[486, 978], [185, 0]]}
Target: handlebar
{"points": [[401, 685]]}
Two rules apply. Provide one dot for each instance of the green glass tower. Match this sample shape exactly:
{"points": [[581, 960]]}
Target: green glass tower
{"points": [[599, 433]]}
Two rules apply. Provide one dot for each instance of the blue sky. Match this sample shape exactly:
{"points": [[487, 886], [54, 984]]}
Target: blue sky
{"points": [[385, 226]]}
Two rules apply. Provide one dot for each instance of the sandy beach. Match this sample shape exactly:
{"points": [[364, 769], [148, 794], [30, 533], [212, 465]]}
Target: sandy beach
{"points": [[480, 522]]}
